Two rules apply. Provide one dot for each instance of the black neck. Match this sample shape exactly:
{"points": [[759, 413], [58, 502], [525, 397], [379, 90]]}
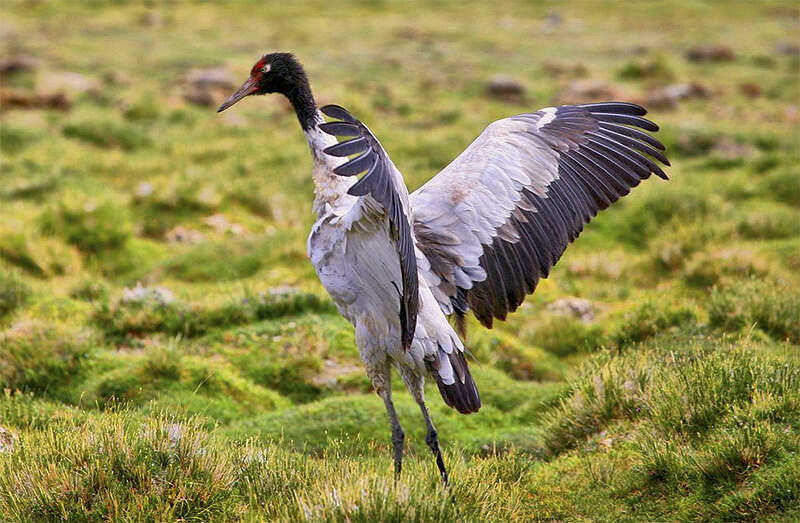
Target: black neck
{"points": [[303, 102]]}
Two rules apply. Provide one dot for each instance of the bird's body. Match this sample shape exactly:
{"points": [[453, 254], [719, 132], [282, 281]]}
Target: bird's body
{"points": [[477, 237]]}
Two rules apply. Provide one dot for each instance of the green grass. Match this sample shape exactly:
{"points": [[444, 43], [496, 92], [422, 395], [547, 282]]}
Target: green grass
{"points": [[167, 352]]}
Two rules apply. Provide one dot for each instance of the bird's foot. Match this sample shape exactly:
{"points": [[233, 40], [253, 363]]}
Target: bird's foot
{"points": [[398, 439], [432, 439]]}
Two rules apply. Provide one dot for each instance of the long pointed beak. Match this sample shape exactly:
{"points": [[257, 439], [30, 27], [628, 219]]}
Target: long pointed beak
{"points": [[247, 88]]}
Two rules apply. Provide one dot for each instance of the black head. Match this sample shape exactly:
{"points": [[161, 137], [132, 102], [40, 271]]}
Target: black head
{"points": [[273, 73]]}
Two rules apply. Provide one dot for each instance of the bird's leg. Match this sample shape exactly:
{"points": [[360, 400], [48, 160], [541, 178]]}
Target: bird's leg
{"points": [[381, 380], [432, 439], [398, 436], [416, 385]]}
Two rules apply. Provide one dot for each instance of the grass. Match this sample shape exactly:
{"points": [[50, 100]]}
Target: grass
{"points": [[167, 352]]}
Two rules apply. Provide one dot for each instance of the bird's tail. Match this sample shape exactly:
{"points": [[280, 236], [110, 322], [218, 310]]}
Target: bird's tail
{"points": [[455, 382]]}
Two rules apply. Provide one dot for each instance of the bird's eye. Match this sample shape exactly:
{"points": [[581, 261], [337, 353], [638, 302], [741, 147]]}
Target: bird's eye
{"points": [[266, 68]]}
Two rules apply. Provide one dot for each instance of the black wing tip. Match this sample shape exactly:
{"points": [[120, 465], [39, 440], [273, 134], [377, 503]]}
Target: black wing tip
{"points": [[339, 112], [339, 128], [614, 106]]}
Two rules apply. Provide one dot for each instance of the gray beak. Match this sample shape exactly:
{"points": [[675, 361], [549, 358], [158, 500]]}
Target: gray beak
{"points": [[247, 88]]}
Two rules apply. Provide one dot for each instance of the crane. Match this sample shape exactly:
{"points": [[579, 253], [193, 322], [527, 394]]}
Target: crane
{"points": [[476, 237]]}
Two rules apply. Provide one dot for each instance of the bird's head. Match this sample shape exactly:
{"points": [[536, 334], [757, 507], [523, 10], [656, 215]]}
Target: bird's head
{"points": [[272, 73]]}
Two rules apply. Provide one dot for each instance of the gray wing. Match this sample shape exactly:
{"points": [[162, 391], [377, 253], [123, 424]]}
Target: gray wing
{"points": [[384, 183], [495, 220]]}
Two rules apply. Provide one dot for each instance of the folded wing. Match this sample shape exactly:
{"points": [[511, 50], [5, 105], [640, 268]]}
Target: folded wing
{"points": [[384, 184]]}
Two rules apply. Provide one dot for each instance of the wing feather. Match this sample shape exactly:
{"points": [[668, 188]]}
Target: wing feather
{"points": [[495, 220]]}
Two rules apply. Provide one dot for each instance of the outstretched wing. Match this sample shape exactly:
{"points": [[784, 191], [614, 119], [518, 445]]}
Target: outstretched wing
{"points": [[384, 183], [495, 220]]}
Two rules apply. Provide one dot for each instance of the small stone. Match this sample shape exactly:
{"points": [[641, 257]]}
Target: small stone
{"points": [[710, 53], [144, 190], [668, 97], [140, 294], [565, 70], [18, 99], [585, 91], [750, 89], [788, 48], [201, 96], [553, 19], [211, 78], [221, 224], [70, 82], [116, 78], [181, 234], [7, 440], [576, 307], [728, 148], [17, 64], [506, 88], [208, 87]]}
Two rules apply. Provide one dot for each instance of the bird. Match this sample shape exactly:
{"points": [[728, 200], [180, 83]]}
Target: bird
{"points": [[407, 268]]}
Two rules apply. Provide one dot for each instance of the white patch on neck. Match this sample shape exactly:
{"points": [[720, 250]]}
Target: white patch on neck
{"points": [[330, 189]]}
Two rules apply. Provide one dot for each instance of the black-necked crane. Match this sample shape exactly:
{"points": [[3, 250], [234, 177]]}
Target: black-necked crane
{"points": [[476, 237]]}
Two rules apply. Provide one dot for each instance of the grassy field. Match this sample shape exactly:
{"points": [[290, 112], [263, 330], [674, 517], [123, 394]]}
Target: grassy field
{"points": [[167, 352]]}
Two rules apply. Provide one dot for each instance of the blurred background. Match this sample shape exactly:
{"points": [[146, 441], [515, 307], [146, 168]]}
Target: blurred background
{"points": [[152, 252]]}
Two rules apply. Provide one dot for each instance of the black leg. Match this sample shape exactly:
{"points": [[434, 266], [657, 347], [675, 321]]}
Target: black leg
{"points": [[398, 439], [432, 439], [398, 436]]}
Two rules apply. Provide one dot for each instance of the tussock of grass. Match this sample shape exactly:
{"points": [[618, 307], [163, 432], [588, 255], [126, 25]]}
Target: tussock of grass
{"points": [[92, 226], [165, 469], [120, 319], [744, 304], [14, 292], [43, 358], [108, 133], [163, 378], [564, 335], [650, 319]]}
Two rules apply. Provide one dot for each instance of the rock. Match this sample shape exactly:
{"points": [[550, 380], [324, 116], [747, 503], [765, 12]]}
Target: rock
{"points": [[215, 77], [729, 148], [668, 97], [116, 78], [788, 48], [152, 19], [7, 440], [208, 87], [18, 99], [505, 88], [566, 70], [140, 294], [17, 64], [584, 91], [791, 114], [221, 224], [144, 190], [710, 53], [553, 19], [69, 82], [201, 96], [181, 234], [750, 89], [576, 307]]}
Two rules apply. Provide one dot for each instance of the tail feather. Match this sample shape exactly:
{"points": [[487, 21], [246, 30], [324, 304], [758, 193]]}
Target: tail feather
{"points": [[462, 394]]}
